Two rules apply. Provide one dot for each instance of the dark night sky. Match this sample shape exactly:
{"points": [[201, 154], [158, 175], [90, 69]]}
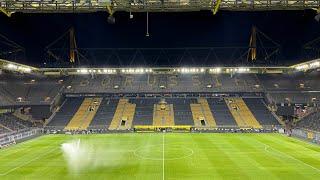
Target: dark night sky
{"points": [[198, 29]]}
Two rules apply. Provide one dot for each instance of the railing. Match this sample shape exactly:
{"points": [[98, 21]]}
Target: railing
{"points": [[15, 136]]}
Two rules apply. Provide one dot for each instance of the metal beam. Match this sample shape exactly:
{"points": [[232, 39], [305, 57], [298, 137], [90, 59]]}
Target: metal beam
{"points": [[67, 6], [5, 12]]}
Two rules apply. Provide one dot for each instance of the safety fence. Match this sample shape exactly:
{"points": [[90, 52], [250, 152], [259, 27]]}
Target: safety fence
{"points": [[12, 138]]}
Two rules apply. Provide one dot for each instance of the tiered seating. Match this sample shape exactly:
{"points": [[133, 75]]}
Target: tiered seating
{"points": [[29, 90], [202, 114], [4, 130], [182, 111], [84, 115], [221, 112], [144, 111], [311, 122], [163, 114], [123, 115], [260, 111], [91, 113], [241, 113], [104, 114], [10, 123], [65, 113]]}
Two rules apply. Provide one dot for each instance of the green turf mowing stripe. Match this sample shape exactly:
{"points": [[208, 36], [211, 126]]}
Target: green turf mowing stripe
{"points": [[165, 156]]}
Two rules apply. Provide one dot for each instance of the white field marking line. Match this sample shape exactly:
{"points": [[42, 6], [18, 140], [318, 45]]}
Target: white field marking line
{"points": [[28, 162], [291, 157], [163, 156]]}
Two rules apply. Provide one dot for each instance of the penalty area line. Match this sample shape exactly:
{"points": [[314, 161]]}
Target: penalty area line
{"points": [[288, 155]]}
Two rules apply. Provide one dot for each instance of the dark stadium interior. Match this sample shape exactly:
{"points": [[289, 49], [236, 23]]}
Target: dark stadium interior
{"points": [[168, 30]]}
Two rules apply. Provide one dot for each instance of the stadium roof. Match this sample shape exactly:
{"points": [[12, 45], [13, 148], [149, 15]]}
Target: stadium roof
{"points": [[17, 67], [111, 6]]}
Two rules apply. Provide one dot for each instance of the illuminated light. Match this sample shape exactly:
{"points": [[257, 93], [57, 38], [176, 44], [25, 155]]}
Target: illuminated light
{"points": [[83, 71], [302, 67], [242, 70], [162, 86], [202, 70], [315, 64], [24, 69], [12, 66], [69, 87], [216, 70], [209, 86], [116, 87]]}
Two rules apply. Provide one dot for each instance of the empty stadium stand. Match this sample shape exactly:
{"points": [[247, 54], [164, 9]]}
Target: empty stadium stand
{"points": [[241, 113], [65, 113], [260, 111], [182, 110], [123, 115], [84, 115], [104, 114], [202, 114], [221, 112], [163, 114], [311, 122], [144, 110], [10, 123]]}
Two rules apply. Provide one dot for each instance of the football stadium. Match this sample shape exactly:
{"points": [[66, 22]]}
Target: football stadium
{"points": [[159, 89]]}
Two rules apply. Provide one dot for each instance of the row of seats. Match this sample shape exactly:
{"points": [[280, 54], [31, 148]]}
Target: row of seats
{"points": [[10, 123], [241, 113], [311, 122], [119, 114], [39, 90]]}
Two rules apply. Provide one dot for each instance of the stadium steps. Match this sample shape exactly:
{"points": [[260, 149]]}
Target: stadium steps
{"points": [[124, 113], [182, 110], [144, 111], [201, 111], [260, 111], [91, 113], [221, 112], [104, 114], [83, 115], [242, 113], [163, 115], [65, 113]]}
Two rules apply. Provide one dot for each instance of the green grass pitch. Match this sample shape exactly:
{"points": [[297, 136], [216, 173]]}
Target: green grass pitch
{"points": [[162, 156]]}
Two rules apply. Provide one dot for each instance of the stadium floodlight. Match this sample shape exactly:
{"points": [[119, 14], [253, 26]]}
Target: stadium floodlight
{"points": [[24, 69], [12, 66], [242, 70], [215, 70], [109, 71], [302, 67], [83, 71], [315, 64]]}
